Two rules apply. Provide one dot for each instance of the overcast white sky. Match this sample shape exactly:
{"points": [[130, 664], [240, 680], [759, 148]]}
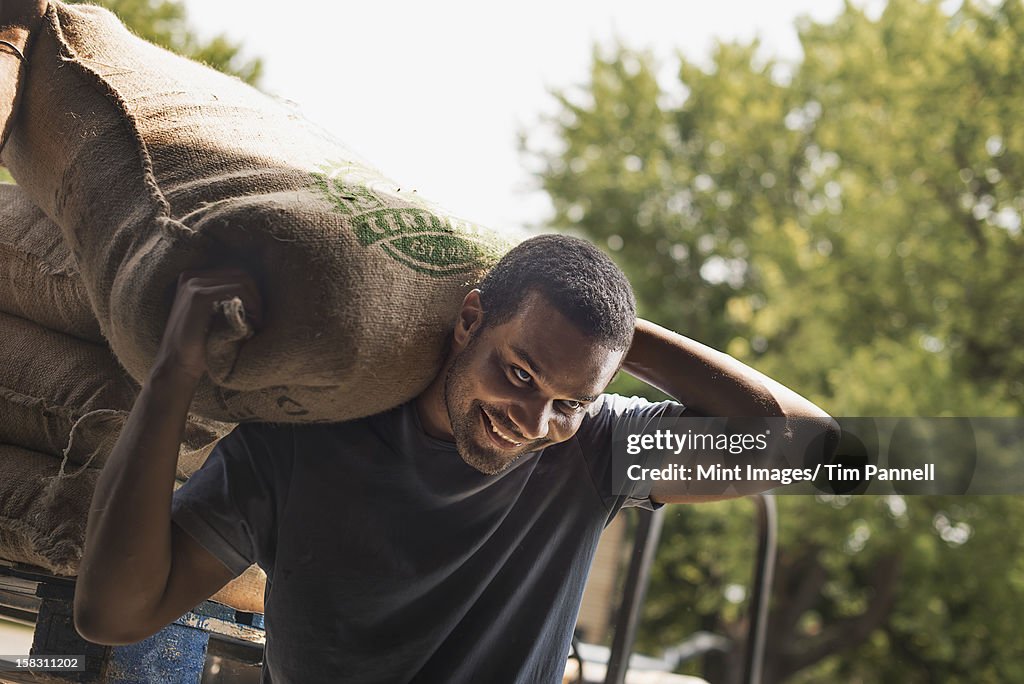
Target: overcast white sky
{"points": [[434, 93]]}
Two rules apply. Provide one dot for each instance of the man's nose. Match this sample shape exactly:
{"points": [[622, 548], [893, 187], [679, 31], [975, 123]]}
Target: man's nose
{"points": [[531, 418]]}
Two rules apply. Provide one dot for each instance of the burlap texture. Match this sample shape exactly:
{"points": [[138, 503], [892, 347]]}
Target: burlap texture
{"points": [[152, 164], [38, 277], [43, 513], [67, 397], [245, 592]]}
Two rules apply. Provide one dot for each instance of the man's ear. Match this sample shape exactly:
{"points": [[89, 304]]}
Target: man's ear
{"points": [[471, 317]]}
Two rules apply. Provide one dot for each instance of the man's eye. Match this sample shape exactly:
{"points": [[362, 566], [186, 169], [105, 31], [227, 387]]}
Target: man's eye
{"points": [[571, 405], [520, 374]]}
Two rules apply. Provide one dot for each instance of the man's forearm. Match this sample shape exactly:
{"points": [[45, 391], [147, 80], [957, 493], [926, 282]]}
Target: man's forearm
{"points": [[711, 383], [128, 539], [708, 381]]}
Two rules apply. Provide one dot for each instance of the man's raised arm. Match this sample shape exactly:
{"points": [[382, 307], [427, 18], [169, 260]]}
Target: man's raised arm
{"points": [[139, 571], [711, 383]]}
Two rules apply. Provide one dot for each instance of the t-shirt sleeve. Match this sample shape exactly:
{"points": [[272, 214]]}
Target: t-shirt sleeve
{"points": [[230, 505], [629, 414]]}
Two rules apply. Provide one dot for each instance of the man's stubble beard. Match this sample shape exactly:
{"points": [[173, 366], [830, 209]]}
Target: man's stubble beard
{"points": [[466, 423]]}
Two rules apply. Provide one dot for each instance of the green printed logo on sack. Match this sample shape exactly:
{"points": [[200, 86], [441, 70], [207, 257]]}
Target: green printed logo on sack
{"points": [[405, 227]]}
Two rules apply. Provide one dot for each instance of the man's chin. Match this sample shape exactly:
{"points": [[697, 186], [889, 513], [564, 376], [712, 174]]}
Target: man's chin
{"points": [[487, 463]]}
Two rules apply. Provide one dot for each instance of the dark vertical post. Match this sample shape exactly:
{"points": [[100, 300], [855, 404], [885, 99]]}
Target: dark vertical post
{"points": [[645, 544], [764, 571], [55, 633]]}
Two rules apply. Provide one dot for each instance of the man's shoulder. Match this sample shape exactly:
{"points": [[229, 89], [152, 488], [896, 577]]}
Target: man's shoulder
{"points": [[321, 427], [610, 406], [611, 412], [285, 438]]}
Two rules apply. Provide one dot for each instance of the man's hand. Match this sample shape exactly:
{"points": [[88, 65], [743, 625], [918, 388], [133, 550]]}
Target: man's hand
{"points": [[183, 349], [19, 20], [24, 15]]}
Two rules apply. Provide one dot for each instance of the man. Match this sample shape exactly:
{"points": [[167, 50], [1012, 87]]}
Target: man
{"points": [[18, 20], [446, 540]]}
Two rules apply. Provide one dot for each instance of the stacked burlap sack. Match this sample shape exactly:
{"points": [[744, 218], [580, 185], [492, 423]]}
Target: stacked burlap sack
{"points": [[63, 401], [149, 165]]}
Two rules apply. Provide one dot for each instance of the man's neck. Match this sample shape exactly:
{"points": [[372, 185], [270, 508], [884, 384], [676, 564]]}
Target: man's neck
{"points": [[431, 408]]}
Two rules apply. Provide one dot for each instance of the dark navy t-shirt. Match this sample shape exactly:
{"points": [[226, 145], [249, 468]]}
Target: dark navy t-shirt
{"points": [[390, 560]]}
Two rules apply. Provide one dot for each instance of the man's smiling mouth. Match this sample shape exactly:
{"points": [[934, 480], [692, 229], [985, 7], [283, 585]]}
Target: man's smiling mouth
{"points": [[504, 436]]}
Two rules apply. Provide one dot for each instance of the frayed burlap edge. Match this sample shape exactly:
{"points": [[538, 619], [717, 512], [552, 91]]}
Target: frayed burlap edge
{"points": [[23, 543], [75, 61]]}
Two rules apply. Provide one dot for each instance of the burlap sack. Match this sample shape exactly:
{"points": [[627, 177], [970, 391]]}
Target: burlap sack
{"points": [[43, 513], [38, 277], [245, 592], [67, 397], [152, 164]]}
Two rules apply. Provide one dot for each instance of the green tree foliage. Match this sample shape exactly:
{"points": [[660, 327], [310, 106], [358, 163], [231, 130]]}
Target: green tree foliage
{"points": [[850, 224], [164, 22]]}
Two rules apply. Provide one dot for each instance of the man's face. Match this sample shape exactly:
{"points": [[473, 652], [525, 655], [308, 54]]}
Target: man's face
{"points": [[523, 385]]}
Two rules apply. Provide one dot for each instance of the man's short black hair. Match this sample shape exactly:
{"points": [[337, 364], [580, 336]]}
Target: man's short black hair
{"points": [[577, 278]]}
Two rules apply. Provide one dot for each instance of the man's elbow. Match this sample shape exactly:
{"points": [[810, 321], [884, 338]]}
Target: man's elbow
{"points": [[812, 436], [817, 421], [807, 418], [101, 625]]}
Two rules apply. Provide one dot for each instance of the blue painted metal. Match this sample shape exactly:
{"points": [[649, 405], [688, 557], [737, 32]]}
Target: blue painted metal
{"points": [[216, 610], [174, 655]]}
